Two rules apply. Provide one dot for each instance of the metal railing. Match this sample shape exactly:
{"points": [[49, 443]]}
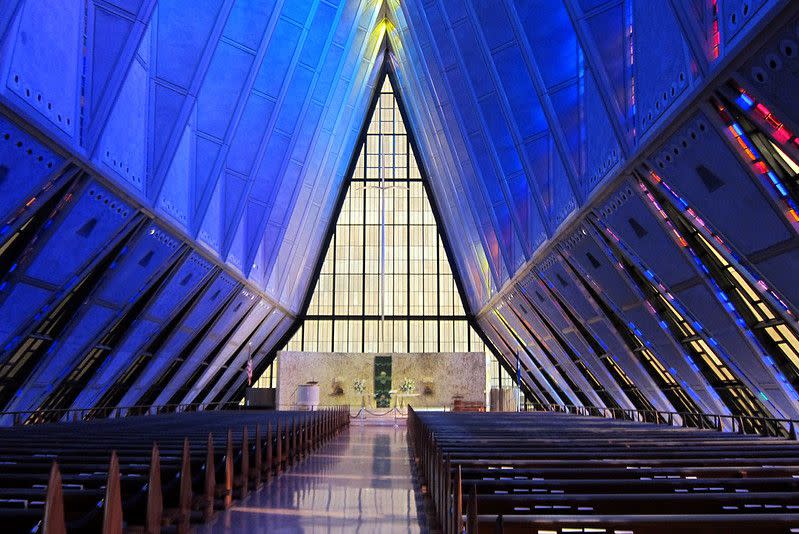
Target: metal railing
{"points": [[30, 417], [740, 424]]}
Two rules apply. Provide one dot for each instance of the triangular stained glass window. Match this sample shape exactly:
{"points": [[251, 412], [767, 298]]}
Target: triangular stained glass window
{"points": [[386, 284]]}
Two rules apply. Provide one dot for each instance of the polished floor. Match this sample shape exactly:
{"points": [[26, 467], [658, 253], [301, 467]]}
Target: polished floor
{"points": [[361, 482]]}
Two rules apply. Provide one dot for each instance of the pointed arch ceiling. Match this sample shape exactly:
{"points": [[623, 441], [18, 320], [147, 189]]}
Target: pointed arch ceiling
{"points": [[183, 162], [235, 120]]}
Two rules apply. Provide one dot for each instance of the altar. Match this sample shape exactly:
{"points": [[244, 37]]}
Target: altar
{"points": [[380, 382]]}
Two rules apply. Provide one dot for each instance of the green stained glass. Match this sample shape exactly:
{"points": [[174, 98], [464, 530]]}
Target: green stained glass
{"points": [[383, 381]]}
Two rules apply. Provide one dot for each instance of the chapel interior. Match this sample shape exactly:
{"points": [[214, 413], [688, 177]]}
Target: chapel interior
{"points": [[376, 266]]}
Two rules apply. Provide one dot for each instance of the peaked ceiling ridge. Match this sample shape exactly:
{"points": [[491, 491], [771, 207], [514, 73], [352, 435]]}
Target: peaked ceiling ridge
{"points": [[512, 125]]}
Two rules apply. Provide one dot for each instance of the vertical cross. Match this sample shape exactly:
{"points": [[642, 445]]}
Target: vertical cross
{"points": [[382, 187]]}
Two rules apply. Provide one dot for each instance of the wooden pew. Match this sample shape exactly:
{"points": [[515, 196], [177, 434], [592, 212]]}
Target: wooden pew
{"points": [[556, 472], [144, 470]]}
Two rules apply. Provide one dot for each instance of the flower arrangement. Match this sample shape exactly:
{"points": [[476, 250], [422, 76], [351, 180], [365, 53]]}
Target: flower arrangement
{"points": [[408, 386], [359, 385]]}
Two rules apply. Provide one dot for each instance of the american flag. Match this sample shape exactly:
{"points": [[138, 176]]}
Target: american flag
{"points": [[249, 369]]}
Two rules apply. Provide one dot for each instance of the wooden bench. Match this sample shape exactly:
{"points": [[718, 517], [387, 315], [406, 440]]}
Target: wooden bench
{"points": [[556, 473], [147, 473]]}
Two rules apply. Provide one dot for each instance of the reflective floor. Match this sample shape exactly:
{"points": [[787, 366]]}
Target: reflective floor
{"points": [[360, 482]]}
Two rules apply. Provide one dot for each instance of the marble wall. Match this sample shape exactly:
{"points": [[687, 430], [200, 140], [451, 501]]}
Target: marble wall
{"points": [[438, 376]]}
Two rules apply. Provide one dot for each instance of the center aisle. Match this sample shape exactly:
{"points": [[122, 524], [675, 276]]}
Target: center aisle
{"points": [[359, 482]]}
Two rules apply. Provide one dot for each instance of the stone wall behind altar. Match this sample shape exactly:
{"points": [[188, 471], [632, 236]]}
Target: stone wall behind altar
{"points": [[438, 376]]}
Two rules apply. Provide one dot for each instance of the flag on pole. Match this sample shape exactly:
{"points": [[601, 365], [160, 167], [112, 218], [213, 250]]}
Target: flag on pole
{"points": [[518, 383], [249, 365]]}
